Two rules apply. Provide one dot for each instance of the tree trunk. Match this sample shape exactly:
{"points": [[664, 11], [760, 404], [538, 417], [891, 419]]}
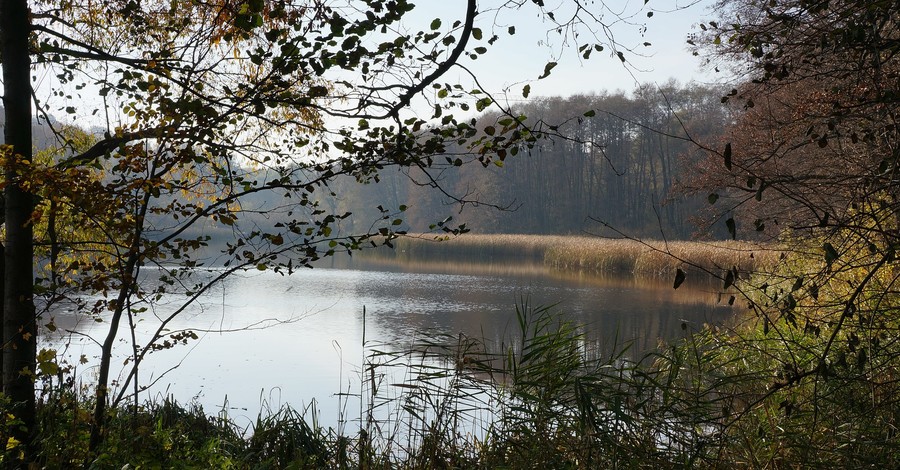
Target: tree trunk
{"points": [[129, 273], [19, 326]]}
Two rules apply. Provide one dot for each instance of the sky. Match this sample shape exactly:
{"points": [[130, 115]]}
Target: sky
{"points": [[524, 55], [516, 60]]}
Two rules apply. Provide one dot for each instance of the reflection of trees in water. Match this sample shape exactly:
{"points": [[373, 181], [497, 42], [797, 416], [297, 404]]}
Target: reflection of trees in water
{"points": [[603, 334], [611, 313], [698, 289]]}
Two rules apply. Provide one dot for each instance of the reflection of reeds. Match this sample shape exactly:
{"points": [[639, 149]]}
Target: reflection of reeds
{"points": [[539, 398], [544, 400], [595, 255]]}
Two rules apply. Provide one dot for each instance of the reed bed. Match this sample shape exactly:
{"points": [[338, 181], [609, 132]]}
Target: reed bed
{"points": [[540, 397], [478, 247], [643, 258]]}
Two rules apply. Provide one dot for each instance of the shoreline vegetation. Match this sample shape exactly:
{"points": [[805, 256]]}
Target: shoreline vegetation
{"points": [[585, 254], [720, 397]]}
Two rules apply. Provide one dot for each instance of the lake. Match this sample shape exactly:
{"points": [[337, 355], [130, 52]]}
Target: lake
{"points": [[267, 340]]}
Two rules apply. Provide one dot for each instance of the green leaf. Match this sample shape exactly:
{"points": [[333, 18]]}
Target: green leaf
{"points": [[476, 33], [712, 198], [526, 90], [590, 113], [349, 43], [435, 24], [48, 368], [547, 68], [679, 278], [732, 228], [45, 355], [482, 104]]}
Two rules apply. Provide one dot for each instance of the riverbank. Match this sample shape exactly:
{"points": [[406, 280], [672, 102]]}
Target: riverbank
{"points": [[547, 401], [750, 395], [645, 258]]}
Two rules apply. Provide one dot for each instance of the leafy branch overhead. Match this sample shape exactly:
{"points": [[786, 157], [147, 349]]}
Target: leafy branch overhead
{"points": [[218, 132]]}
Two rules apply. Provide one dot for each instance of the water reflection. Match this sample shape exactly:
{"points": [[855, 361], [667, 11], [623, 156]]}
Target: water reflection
{"points": [[280, 339], [479, 300]]}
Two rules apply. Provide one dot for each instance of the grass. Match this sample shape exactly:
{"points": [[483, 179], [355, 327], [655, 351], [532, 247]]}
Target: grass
{"points": [[592, 254], [811, 380], [542, 402], [717, 399]]}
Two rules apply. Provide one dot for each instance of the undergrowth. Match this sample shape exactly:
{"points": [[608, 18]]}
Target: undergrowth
{"points": [[750, 396]]}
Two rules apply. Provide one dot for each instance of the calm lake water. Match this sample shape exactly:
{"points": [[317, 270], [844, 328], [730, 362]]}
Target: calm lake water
{"points": [[268, 340]]}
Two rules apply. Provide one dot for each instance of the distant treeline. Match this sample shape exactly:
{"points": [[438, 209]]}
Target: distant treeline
{"points": [[618, 162]]}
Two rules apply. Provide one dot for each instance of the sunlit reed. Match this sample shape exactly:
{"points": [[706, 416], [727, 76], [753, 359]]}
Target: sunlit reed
{"points": [[644, 258]]}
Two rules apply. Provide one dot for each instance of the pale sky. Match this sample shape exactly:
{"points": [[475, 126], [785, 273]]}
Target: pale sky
{"points": [[523, 56], [515, 60]]}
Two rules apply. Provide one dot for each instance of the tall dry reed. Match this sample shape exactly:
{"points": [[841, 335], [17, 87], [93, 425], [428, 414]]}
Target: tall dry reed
{"points": [[644, 258]]}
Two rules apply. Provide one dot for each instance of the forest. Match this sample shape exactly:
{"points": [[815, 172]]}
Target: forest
{"points": [[267, 136], [624, 165]]}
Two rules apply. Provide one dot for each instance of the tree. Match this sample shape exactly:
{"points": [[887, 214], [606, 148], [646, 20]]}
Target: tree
{"points": [[217, 118], [19, 326], [616, 159], [817, 110], [811, 161]]}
